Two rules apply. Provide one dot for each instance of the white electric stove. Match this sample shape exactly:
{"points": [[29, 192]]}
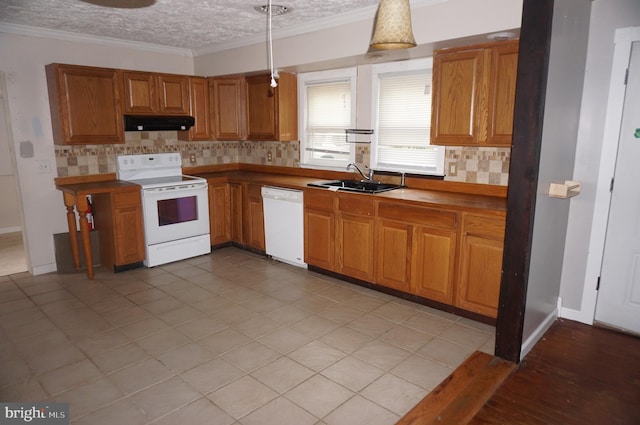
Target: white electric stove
{"points": [[175, 206]]}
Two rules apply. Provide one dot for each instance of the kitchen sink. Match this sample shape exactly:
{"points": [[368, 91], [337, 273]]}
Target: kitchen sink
{"points": [[362, 186]]}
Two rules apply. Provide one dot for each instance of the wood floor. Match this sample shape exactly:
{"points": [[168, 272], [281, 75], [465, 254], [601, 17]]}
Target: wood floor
{"points": [[577, 374]]}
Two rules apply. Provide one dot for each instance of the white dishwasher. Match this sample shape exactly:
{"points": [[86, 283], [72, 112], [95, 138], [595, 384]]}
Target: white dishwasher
{"points": [[284, 224]]}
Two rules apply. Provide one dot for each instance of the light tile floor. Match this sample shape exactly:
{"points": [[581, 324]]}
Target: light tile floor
{"points": [[12, 257], [227, 338]]}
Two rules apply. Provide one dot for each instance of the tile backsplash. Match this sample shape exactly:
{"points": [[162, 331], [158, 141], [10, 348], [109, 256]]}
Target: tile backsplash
{"points": [[477, 165], [462, 164]]}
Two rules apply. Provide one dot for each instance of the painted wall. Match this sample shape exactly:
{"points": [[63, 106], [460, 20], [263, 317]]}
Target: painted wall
{"points": [[24, 58], [606, 17], [432, 24], [23, 61], [560, 129]]}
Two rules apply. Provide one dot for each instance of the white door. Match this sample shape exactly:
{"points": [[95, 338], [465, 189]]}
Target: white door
{"points": [[619, 296]]}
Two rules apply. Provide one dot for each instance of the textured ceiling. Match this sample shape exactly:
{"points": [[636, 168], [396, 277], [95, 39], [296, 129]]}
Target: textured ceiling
{"points": [[189, 24]]}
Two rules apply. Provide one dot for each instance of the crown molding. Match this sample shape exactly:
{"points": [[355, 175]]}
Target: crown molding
{"points": [[85, 38], [367, 13]]}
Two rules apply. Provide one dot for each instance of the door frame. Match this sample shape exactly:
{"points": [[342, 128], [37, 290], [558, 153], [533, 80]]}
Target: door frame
{"points": [[624, 38], [4, 98]]}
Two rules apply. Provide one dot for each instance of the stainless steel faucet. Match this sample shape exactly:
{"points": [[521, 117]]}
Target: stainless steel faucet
{"points": [[369, 177]]}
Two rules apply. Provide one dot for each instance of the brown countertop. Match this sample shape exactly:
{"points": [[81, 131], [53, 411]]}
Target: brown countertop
{"points": [[88, 188], [421, 197], [433, 198]]}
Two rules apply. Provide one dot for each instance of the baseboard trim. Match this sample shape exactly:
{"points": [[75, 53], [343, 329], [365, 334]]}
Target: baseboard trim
{"points": [[46, 268], [13, 229], [538, 333], [576, 316]]}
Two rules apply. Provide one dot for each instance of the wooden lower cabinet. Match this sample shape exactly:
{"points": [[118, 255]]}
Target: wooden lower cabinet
{"points": [[448, 256], [219, 213], [253, 229], [355, 234], [393, 254], [480, 267], [118, 217], [235, 204], [416, 250], [355, 246], [433, 263], [319, 229], [227, 214]]}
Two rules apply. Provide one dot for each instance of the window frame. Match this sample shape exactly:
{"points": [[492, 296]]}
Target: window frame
{"points": [[400, 67], [323, 77]]}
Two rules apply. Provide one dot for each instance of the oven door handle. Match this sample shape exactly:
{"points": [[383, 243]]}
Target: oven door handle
{"points": [[176, 189]]}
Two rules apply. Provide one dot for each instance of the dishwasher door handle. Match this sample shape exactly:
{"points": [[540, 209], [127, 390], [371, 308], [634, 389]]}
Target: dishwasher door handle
{"points": [[281, 194]]}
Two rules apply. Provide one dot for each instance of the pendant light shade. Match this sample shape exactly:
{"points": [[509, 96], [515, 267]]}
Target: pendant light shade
{"points": [[393, 26]]}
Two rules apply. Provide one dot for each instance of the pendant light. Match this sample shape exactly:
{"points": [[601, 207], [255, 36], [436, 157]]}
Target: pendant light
{"points": [[273, 82], [271, 10], [393, 26]]}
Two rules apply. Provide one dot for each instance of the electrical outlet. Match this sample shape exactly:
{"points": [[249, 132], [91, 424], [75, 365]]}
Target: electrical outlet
{"points": [[269, 157], [192, 158], [453, 169], [43, 166]]}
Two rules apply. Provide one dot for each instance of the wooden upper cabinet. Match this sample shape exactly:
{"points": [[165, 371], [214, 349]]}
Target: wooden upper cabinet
{"points": [[272, 113], [140, 92], [457, 82], [174, 94], [504, 67], [85, 104], [227, 108], [198, 109], [473, 95], [147, 93]]}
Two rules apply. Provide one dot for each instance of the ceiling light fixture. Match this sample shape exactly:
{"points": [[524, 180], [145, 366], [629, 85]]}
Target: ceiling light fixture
{"points": [[276, 9], [272, 10], [393, 26], [502, 36]]}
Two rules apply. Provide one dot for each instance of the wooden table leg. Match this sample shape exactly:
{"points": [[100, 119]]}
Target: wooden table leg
{"points": [[70, 202], [82, 206]]}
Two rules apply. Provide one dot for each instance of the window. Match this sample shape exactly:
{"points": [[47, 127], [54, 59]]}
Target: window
{"points": [[327, 108], [401, 111]]}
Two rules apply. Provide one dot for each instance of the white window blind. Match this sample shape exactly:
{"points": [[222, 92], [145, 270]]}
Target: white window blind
{"points": [[328, 110], [404, 124]]}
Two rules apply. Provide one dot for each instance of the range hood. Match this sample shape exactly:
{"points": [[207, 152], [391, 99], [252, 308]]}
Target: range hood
{"points": [[157, 122]]}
